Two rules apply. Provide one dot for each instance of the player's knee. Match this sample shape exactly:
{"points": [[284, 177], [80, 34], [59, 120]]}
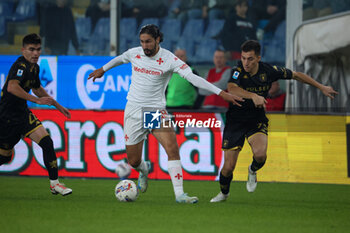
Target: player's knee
{"points": [[260, 158], [259, 153], [228, 167], [46, 144], [226, 171]]}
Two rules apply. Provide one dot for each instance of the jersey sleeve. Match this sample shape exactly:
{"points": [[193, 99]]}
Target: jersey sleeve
{"points": [[277, 73], [19, 72], [180, 67], [202, 83], [121, 59], [126, 56], [235, 76]]}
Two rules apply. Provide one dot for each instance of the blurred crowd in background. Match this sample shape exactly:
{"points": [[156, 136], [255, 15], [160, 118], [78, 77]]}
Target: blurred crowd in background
{"points": [[79, 27], [201, 30]]}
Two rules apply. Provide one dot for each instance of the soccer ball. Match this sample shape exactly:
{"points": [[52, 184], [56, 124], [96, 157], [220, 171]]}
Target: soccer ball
{"points": [[126, 191], [123, 170]]}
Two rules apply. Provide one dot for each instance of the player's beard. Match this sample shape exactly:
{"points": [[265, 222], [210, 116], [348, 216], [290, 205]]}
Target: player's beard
{"points": [[150, 52]]}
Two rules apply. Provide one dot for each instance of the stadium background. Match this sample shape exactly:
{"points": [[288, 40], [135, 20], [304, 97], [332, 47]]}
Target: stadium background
{"points": [[307, 143]]}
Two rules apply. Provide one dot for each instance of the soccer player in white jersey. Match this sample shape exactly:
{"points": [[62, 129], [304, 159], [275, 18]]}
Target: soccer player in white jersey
{"points": [[152, 68]]}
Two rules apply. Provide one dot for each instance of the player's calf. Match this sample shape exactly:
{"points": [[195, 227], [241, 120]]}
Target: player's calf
{"points": [[225, 182], [50, 158], [258, 163]]}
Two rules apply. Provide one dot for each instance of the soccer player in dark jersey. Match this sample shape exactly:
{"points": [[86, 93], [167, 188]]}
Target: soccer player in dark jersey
{"points": [[251, 80], [17, 121]]}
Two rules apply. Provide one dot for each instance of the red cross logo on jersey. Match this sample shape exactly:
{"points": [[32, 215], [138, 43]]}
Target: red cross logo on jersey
{"points": [[160, 61], [178, 176], [126, 137], [138, 56]]}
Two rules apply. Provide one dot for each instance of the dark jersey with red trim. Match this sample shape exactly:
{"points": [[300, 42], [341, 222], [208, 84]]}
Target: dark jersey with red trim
{"points": [[260, 83], [13, 108]]}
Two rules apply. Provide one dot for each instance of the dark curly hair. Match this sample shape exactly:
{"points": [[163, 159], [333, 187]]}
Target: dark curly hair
{"points": [[152, 30]]}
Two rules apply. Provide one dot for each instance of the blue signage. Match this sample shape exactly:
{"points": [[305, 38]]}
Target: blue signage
{"points": [[65, 78]]}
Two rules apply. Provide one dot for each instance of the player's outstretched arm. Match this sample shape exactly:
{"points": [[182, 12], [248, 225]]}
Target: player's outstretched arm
{"points": [[15, 89], [204, 84], [326, 90], [259, 101], [42, 94], [231, 98], [101, 71], [97, 74], [63, 110]]}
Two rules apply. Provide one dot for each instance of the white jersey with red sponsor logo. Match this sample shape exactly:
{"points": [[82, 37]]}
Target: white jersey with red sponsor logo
{"points": [[151, 75]]}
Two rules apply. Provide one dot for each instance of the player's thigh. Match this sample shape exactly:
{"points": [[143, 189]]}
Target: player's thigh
{"points": [[167, 138], [38, 134], [257, 138], [33, 128], [233, 136], [134, 132], [258, 143]]}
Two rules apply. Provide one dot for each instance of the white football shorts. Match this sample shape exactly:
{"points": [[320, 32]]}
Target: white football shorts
{"points": [[134, 130]]}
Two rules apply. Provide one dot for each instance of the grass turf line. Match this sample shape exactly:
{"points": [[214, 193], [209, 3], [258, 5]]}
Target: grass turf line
{"points": [[26, 205]]}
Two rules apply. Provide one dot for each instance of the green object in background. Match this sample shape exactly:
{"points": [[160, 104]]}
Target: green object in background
{"points": [[180, 92]]}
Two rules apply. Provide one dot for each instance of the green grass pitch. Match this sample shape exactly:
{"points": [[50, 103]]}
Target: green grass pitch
{"points": [[26, 205]]}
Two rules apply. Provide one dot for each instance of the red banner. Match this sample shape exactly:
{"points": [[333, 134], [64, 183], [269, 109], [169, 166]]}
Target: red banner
{"points": [[91, 144]]}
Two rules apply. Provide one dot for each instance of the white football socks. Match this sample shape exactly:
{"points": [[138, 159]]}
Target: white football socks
{"points": [[175, 172], [54, 182]]}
